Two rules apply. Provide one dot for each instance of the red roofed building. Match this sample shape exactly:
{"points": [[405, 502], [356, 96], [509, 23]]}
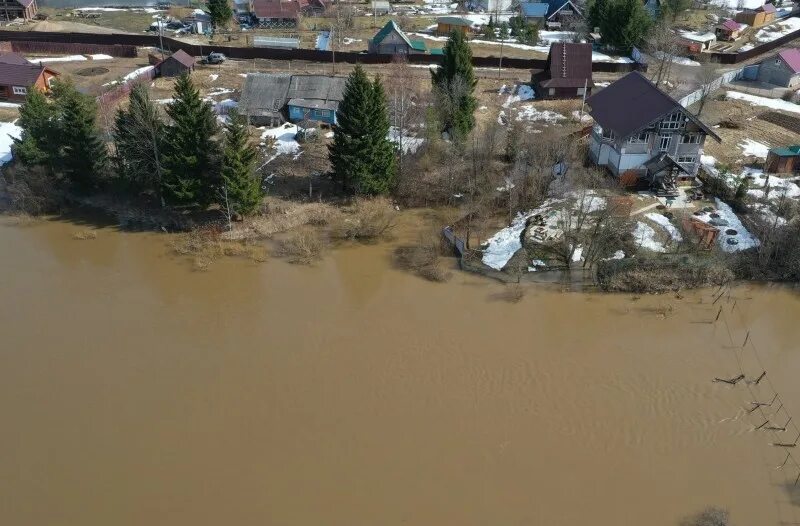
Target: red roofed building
{"points": [[17, 76], [782, 69], [729, 30], [568, 72], [12, 9]]}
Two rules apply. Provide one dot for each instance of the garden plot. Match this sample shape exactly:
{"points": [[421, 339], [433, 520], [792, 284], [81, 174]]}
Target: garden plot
{"points": [[733, 236], [777, 30]]}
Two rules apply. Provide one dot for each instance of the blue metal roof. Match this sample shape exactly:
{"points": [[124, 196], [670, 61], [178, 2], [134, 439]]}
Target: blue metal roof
{"points": [[530, 9]]}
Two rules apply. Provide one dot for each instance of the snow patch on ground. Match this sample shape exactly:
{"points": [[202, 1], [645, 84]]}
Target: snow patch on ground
{"points": [[683, 61], [69, 58], [777, 30], [8, 132], [408, 143], [531, 114], [285, 142], [213, 77], [755, 100], [645, 237], [504, 244], [741, 240], [754, 148], [523, 92], [664, 222]]}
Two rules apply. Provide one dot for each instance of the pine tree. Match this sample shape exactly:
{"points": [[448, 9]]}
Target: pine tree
{"points": [[191, 155], [37, 144], [454, 83], [625, 24], [139, 139], [241, 192], [346, 154], [84, 157], [220, 12]]}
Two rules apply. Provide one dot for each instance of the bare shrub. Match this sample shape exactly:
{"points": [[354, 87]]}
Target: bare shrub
{"points": [[662, 274], [31, 190], [85, 235], [422, 259], [303, 246], [366, 220], [512, 293], [712, 516], [205, 246]]}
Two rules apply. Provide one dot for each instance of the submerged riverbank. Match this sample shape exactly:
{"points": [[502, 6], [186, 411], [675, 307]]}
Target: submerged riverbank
{"points": [[138, 391]]}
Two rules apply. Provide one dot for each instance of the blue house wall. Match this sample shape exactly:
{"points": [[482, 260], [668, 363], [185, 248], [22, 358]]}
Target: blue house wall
{"points": [[299, 113]]}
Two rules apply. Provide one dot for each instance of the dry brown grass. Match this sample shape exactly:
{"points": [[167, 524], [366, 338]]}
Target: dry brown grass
{"points": [[20, 219], [283, 216], [85, 235], [303, 246], [367, 220], [207, 245]]}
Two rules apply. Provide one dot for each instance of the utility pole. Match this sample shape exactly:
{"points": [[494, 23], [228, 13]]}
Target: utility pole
{"points": [[583, 103], [161, 34]]}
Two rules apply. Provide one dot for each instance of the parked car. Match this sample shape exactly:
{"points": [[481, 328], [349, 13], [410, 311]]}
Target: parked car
{"points": [[213, 58]]}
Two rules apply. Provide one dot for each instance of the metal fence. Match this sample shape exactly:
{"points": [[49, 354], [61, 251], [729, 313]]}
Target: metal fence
{"points": [[697, 94], [125, 87], [72, 48]]}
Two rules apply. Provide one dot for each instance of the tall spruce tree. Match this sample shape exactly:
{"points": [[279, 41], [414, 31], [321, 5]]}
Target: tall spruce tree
{"points": [[381, 150], [349, 152], [38, 142], [454, 84], [139, 139], [191, 154], [625, 24], [84, 157], [220, 12], [241, 188]]}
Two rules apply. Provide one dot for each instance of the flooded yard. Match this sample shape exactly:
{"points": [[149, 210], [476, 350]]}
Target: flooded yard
{"points": [[137, 391]]}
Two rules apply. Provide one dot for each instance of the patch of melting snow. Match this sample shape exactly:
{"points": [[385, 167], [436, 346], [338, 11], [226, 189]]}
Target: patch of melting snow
{"points": [[728, 221], [409, 143], [285, 142], [505, 243], [523, 92], [8, 132], [754, 148], [531, 114], [645, 237], [777, 30], [213, 77], [755, 100], [664, 222]]}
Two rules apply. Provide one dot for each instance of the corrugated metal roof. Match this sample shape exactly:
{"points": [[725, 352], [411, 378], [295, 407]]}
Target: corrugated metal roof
{"points": [[792, 58], [530, 9], [315, 104], [13, 58], [454, 21], [569, 66], [23, 75], [183, 57], [279, 42], [267, 93], [787, 151]]}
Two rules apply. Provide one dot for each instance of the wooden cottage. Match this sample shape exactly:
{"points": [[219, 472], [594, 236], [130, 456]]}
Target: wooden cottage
{"points": [[270, 99], [447, 24], [18, 75], [729, 30], [568, 73], [176, 64], [391, 40], [783, 160], [757, 17]]}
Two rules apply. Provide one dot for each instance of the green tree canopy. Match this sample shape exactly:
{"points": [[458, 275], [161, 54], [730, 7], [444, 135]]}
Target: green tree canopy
{"points": [[220, 12], [454, 84], [84, 157], [39, 122], [625, 24], [241, 191]]}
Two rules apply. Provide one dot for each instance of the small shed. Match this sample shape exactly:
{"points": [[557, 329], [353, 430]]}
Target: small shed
{"points": [[782, 69], [176, 64], [534, 12], [757, 17], [783, 160], [447, 24], [391, 40], [380, 7], [568, 73], [729, 30]]}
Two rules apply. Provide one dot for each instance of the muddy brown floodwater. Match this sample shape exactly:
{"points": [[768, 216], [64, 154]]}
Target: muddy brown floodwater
{"points": [[135, 391]]}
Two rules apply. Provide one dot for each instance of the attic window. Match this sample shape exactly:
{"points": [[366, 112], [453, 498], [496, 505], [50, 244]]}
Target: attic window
{"points": [[19, 90], [673, 121]]}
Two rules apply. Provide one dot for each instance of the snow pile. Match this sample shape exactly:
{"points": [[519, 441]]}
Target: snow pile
{"points": [[739, 4], [576, 115], [697, 36], [683, 61], [664, 222], [8, 132], [727, 222], [754, 148], [602, 57], [645, 237], [504, 244], [70, 58], [285, 142], [524, 92], [213, 77], [409, 144], [755, 100], [777, 30], [348, 41], [531, 114]]}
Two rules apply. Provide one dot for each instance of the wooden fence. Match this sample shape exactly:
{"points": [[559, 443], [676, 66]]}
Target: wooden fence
{"points": [[310, 55], [124, 88]]}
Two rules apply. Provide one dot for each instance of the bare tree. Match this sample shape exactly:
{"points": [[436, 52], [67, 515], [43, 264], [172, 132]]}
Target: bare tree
{"points": [[404, 109], [707, 78], [662, 45]]}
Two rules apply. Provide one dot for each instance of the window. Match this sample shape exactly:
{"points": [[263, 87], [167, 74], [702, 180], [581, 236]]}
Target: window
{"points": [[19, 90], [608, 134], [687, 159], [320, 113], [664, 142], [642, 138], [581, 91], [673, 121], [690, 138]]}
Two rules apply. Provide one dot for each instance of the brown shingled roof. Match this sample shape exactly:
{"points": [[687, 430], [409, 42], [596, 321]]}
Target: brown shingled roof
{"points": [[569, 65], [23, 75]]}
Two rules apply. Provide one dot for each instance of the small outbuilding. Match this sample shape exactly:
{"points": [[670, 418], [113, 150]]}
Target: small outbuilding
{"points": [[534, 12], [447, 24], [783, 160], [568, 73], [729, 30], [760, 16], [273, 98], [176, 64], [391, 40], [380, 7], [18, 76], [782, 69]]}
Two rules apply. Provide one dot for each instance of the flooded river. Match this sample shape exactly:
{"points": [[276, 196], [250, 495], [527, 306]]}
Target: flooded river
{"points": [[135, 391]]}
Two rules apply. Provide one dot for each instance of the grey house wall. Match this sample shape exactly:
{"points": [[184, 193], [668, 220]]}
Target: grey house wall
{"points": [[619, 156], [775, 71]]}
